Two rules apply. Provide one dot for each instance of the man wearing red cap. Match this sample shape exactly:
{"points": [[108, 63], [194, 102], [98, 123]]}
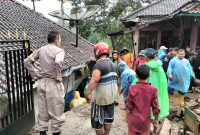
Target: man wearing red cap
{"points": [[104, 81]]}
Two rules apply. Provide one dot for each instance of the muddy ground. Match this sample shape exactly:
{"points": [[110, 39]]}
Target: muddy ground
{"points": [[78, 119]]}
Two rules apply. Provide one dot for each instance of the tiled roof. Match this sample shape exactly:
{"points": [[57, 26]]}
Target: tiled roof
{"points": [[17, 17], [157, 9], [151, 19], [192, 8]]}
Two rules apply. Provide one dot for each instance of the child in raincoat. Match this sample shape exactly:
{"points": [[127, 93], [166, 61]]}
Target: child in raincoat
{"points": [[77, 100]]}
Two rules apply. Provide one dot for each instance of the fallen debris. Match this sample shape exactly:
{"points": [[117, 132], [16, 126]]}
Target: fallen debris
{"points": [[166, 126]]}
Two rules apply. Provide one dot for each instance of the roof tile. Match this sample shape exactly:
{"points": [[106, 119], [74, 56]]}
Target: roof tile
{"points": [[17, 17], [159, 8]]}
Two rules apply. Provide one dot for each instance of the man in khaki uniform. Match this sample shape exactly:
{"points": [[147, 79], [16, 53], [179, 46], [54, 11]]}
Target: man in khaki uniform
{"points": [[50, 86]]}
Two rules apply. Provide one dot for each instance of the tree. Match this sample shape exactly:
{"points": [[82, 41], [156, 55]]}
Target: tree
{"points": [[107, 20], [97, 27]]}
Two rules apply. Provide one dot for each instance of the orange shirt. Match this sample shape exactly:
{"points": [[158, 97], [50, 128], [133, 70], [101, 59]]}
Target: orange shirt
{"points": [[128, 58]]}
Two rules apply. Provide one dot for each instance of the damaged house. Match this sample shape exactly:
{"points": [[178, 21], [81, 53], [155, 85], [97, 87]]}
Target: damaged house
{"points": [[164, 22]]}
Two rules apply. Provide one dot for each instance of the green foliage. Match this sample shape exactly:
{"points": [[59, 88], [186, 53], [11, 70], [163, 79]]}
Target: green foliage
{"points": [[97, 28], [94, 37], [95, 2]]}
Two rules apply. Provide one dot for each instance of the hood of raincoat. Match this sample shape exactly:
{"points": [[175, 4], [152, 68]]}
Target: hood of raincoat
{"points": [[154, 65], [122, 66]]}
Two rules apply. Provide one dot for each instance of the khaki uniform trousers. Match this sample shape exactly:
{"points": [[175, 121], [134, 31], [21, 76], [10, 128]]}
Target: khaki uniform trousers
{"points": [[50, 105]]}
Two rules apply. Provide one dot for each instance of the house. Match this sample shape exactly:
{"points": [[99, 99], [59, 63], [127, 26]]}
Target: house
{"points": [[164, 22], [17, 19], [19, 23]]}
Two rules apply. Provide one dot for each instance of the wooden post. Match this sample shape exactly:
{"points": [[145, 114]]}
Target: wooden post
{"points": [[194, 36], [62, 11], [136, 37], [77, 31], [159, 37], [33, 4], [114, 41]]}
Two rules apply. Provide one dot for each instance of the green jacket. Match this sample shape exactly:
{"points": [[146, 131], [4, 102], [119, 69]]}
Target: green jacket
{"points": [[158, 79]]}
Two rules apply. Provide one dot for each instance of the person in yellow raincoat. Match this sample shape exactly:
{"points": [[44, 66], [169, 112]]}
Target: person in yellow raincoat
{"points": [[77, 100]]}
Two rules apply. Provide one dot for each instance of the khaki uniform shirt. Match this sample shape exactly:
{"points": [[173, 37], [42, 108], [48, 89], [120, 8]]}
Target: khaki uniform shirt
{"points": [[50, 58]]}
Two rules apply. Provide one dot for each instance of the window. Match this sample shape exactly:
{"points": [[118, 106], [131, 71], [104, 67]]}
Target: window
{"points": [[148, 39], [167, 38]]}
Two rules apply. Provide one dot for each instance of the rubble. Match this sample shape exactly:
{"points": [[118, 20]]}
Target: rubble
{"points": [[166, 126], [176, 116]]}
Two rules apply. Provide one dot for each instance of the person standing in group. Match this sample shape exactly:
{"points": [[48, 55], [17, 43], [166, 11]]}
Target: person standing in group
{"points": [[171, 54], [196, 65], [162, 52], [141, 98], [104, 81], [187, 52], [192, 59], [127, 77], [140, 60], [180, 74], [116, 60], [50, 86], [127, 57], [157, 79], [167, 59]]}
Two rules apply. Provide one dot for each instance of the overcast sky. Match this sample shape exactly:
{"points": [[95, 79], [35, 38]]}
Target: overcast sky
{"points": [[44, 6]]}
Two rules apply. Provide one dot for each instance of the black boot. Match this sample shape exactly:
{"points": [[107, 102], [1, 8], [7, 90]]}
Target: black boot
{"points": [[43, 133], [58, 133]]}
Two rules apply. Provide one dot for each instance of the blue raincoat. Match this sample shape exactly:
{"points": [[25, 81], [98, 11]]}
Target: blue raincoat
{"points": [[127, 77], [182, 73], [161, 55]]}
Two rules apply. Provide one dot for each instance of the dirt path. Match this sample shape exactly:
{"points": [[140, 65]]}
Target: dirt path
{"points": [[77, 121]]}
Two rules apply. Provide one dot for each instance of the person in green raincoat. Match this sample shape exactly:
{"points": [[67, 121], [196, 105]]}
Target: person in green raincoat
{"points": [[157, 79]]}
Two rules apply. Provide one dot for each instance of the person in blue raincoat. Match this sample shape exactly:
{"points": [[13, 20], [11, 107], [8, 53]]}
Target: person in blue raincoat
{"points": [[180, 74], [127, 77], [162, 52]]}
